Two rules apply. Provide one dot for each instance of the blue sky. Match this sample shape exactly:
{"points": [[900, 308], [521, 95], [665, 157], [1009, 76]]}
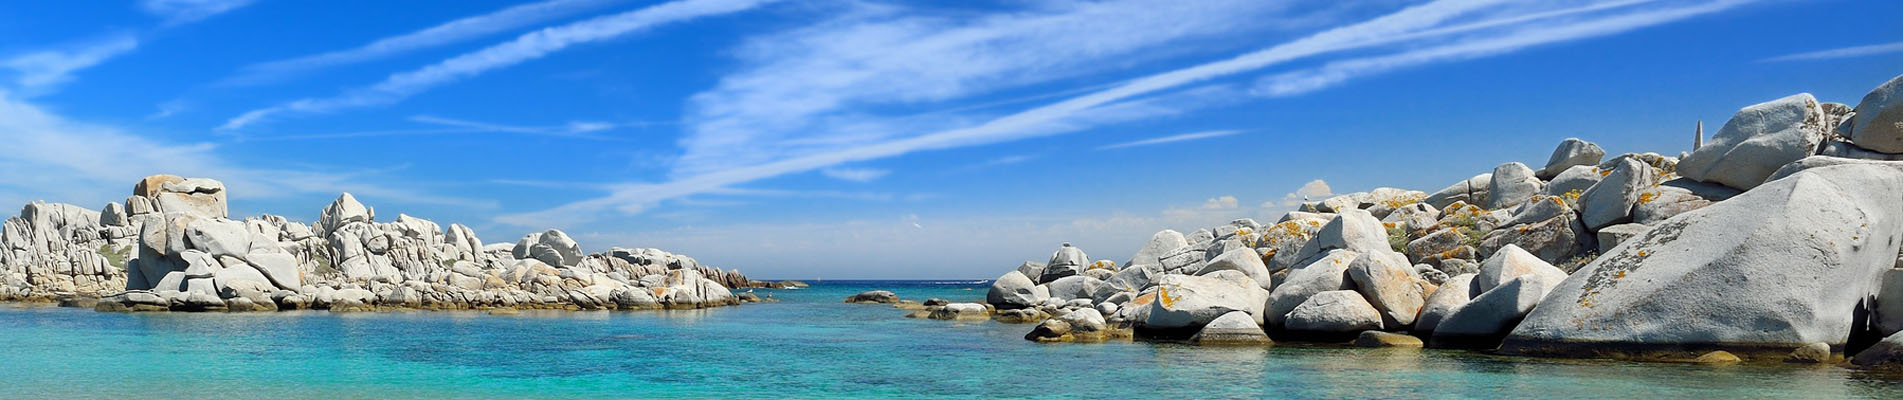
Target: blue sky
{"points": [[875, 139]]}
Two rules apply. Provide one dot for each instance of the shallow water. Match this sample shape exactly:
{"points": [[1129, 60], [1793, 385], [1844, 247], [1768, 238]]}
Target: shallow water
{"points": [[808, 345]]}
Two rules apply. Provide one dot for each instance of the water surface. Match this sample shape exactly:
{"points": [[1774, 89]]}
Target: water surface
{"points": [[808, 345]]}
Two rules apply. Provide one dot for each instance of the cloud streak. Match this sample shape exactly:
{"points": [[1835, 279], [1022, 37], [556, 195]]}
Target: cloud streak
{"points": [[1171, 139], [1437, 21], [42, 71], [70, 164], [183, 11], [442, 34], [1847, 52], [527, 47]]}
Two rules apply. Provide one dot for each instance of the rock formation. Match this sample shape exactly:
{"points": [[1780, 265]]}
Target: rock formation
{"points": [[172, 246], [1778, 239]]}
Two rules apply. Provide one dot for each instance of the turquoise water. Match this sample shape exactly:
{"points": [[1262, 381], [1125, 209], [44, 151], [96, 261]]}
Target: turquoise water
{"points": [[808, 345]]}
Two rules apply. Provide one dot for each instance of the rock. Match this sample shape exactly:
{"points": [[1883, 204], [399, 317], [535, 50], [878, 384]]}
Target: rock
{"points": [[1354, 230], [1233, 328], [196, 196], [1886, 354], [1757, 141], [962, 311], [1021, 316], [1184, 301], [1512, 262], [1889, 305], [874, 296], [1512, 184], [552, 247], [1554, 239], [1790, 260], [1013, 291], [1610, 202], [1390, 285], [1051, 330], [343, 211], [1129, 280], [1335, 311], [1878, 122], [1452, 294], [1814, 353], [1488, 317], [218, 237], [1572, 152], [1386, 339], [1434, 244], [1675, 197], [1242, 260], [1066, 261], [1717, 357], [1085, 323], [1574, 180], [1163, 244], [1470, 191], [1612, 236], [1413, 218], [1322, 273], [1850, 150], [1032, 269], [1073, 287]]}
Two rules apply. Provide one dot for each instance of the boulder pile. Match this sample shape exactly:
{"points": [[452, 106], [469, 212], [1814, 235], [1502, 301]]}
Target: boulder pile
{"points": [[171, 246], [1777, 239]]}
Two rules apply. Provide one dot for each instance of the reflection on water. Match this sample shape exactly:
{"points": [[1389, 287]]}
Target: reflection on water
{"points": [[809, 345]]}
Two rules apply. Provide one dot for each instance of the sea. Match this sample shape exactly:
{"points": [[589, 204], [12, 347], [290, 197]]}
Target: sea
{"points": [[808, 344]]}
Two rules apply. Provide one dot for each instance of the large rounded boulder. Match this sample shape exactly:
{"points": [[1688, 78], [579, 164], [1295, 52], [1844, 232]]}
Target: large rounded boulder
{"points": [[1781, 266]]}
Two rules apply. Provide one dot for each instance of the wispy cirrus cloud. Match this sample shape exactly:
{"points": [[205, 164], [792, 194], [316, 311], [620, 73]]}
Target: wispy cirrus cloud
{"points": [[861, 175], [1468, 23], [1847, 52], [527, 47], [1338, 72], [38, 72], [69, 164], [878, 55], [455, 31], [183, 11], [1172, 139]]}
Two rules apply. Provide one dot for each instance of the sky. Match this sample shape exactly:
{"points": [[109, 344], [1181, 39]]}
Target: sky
{"points": [[870, 139]]}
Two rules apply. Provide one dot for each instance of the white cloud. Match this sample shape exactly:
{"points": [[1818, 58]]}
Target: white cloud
{"points": [[1171, 139], [183, 11], [446, 33], [860, 175], [885, 55], [527, 47], [573, 129], [1314, 190], [1847, 52], [91, 164], [1425, 24], [1220, 203], [1337, 72], [40, 71]]}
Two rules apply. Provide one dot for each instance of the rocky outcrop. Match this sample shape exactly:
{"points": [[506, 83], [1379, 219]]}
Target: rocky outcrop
{"points": [[1757, 141], [171, 246], [1792, 259]]}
